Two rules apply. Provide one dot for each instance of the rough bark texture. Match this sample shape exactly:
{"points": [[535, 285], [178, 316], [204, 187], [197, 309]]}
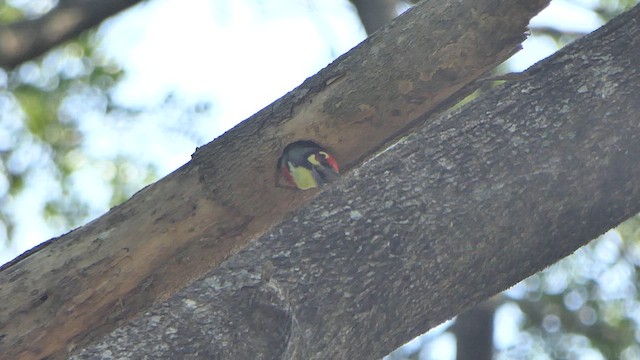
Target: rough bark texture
{"points": [[70, 289], [464, 207], [24, 40]]}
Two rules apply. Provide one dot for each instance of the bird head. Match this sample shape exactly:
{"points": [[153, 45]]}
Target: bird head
{"points": [[307, 165]]}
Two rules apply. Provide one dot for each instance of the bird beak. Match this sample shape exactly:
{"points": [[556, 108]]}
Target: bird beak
{"points": [[324, 174]]}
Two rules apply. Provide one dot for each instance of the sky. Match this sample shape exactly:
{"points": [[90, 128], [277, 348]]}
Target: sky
{"points": [[238, 56]]}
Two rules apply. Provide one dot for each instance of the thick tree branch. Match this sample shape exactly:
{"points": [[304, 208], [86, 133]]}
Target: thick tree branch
{"points": [[28, 39], [464, 207], [73, 288]]}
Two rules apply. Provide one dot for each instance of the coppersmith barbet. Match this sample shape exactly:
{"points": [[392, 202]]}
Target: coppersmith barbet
{"points": [[307, 165]]}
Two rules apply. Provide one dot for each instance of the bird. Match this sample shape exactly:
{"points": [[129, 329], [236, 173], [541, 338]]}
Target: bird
{"points": [[306, 165]]}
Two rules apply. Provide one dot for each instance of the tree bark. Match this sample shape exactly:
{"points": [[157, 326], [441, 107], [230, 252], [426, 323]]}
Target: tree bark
{"points": [[72, 289], [464, 207], [27, 39]]}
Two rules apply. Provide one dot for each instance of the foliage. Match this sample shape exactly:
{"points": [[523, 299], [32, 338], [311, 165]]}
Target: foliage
{"points": [[587, 303], [54, 112]]}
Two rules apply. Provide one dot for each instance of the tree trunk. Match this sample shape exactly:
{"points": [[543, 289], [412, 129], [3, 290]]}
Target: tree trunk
{"points": [[474, 332], [467, 205], [374, 14]]}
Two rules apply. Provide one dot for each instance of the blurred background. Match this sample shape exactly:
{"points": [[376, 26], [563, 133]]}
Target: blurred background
{"points": [[93, 120]]}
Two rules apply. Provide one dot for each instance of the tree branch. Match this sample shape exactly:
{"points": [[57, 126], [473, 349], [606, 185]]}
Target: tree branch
{"points": [[374, 14], [467, 205], [71, 289], [28, 39]]}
